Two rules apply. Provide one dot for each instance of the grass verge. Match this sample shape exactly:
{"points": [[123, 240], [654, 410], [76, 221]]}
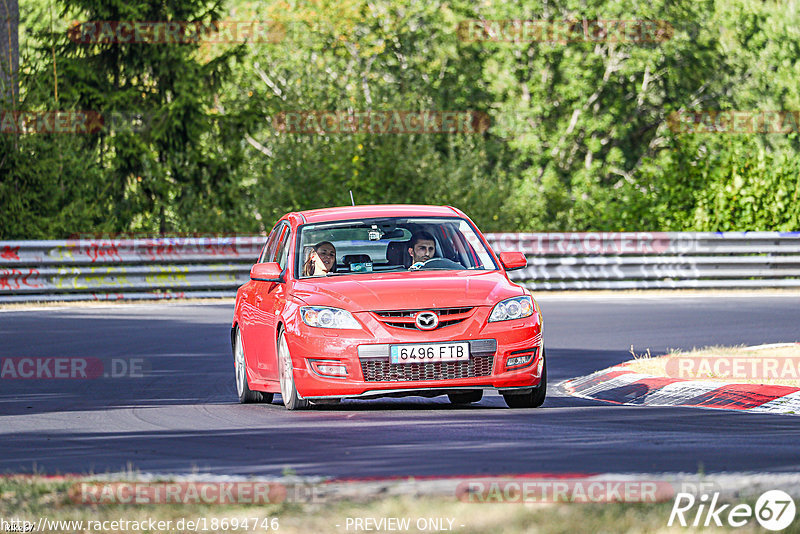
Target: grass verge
{"points": [[31, 498]]}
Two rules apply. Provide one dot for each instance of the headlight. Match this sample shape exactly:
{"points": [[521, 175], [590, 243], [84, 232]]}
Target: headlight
{"points": [[515, 308], [322, 317]]}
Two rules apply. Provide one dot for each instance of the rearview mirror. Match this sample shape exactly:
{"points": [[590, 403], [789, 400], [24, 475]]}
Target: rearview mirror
{"points": [[266, 272], [513, 260]]}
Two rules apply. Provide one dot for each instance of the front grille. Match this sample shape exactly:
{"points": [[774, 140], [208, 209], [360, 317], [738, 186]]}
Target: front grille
{"points": [[413, 326], [405, 318], [412, 313], [384, 371]]}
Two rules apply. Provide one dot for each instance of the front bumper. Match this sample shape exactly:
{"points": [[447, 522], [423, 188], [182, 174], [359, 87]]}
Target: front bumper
{"points": [[365, 354]]}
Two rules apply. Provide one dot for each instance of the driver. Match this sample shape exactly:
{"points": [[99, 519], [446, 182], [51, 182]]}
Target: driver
{"points": [[422, 248]]}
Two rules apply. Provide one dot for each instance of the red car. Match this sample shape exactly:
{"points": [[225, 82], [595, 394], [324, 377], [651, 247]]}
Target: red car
{"points": [[394, 300]]}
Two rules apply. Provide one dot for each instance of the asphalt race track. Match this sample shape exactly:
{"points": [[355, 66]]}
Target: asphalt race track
{"points": [[178, 414]]}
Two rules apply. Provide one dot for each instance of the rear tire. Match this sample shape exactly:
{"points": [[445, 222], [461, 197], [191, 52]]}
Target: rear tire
{"points": [[291, 399], [535, 398], [246, 395], [467, 397]]}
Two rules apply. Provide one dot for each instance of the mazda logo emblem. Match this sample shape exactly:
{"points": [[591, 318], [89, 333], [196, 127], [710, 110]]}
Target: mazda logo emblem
{"points": [[427, 320]]}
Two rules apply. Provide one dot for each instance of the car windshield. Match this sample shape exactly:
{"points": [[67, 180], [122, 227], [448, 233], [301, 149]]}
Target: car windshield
{"points": [[390, 244]]}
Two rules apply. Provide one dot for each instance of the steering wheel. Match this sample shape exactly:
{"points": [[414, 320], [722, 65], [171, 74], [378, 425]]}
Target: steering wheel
{"points": [[437, 263]]}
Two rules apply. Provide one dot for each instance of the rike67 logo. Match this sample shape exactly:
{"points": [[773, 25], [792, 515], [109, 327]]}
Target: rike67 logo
{"points": [[774, 510]]}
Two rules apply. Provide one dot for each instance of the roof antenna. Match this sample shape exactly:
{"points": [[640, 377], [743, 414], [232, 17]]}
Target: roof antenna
{"points": [[353, 202]]}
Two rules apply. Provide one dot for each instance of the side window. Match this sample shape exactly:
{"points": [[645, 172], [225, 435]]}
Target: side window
{"points": [[283, 249], [263, 251], [272, 243]]}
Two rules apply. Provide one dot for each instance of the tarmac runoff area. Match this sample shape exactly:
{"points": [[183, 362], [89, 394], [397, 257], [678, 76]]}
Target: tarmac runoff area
{"points": [[759, 379]]}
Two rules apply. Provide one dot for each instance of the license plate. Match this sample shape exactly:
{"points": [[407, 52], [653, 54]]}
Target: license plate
{"points": [[440, 352]]}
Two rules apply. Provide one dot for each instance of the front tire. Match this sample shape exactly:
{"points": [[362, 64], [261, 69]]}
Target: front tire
{"points": [[246, 395], [291, 399], [535, 398]]}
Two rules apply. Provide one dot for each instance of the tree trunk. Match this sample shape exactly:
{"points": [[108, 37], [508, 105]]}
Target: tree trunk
{"points": [[9, 53]]}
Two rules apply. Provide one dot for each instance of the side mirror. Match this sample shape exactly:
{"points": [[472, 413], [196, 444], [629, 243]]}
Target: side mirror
{"points": [[513, 260], [266, 272]]}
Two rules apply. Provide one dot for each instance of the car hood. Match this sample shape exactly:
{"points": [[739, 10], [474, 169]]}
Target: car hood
{"points": [[407, 291]]}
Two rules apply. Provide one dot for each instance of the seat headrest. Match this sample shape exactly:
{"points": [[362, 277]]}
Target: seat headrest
{"points": [[349, 259], [397, 253]]}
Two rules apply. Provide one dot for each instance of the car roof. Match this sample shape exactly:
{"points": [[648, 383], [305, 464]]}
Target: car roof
{"points": [[381, 210]]}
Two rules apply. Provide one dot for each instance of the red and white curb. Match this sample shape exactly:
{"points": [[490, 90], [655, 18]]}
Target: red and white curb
{"points": [[620, 385]]}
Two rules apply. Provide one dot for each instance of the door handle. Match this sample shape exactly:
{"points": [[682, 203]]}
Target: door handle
{"points": [[258, 300]]}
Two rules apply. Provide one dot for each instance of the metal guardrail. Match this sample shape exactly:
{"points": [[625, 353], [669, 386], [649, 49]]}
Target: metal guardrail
{"points": [[655, 260], [115, 269]]}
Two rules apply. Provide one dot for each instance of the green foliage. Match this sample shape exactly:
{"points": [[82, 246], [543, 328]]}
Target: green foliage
{"points": [[580, 138], [174, 168], [752, 189], [48, 188], [368, 56]]}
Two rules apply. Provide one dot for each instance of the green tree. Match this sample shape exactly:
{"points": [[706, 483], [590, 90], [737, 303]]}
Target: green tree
{"points": [[369, 56], [167, 159]]}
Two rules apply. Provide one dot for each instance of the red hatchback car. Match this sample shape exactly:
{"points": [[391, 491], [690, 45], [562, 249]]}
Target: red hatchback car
{"points": [[394, 300]]}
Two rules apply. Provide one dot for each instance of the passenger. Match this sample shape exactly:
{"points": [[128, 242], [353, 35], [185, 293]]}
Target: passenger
{"points": [[422, 248], [321, 260]]}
